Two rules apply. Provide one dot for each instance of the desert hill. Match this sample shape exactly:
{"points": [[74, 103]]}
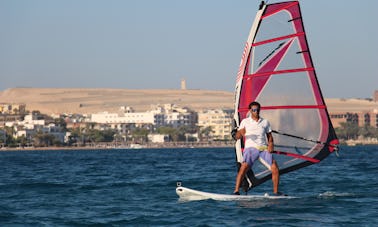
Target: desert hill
{"points": [[93, 100]]}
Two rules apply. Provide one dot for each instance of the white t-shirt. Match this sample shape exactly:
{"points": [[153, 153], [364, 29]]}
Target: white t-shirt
{"points": [[255, 132]]}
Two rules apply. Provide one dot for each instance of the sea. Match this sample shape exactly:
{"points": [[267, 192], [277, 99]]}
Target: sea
{"points": [[136, 187]]}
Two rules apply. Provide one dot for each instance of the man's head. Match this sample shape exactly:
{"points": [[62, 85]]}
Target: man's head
{"points": [[254, 110], [254, 107]]}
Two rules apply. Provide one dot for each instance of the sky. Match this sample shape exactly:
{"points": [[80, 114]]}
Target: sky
{"points": [[153, 44]]}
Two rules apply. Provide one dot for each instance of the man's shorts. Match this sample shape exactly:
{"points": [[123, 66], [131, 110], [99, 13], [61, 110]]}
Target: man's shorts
{"points": [[251, 154]]}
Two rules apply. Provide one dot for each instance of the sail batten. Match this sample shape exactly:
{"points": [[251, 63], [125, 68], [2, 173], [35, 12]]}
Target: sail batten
{"points": [[287, 107], [279, 72], [276, 70], [278, 39]]}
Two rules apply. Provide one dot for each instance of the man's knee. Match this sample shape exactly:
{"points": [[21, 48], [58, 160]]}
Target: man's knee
{"points": [[274, 167], [244, 167]]}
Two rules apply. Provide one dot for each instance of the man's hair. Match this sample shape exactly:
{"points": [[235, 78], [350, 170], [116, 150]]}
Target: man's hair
{"points": [[254, 103]]}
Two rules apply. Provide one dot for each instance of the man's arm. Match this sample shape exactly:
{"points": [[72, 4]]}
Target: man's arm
{"points": [[270, 142], [239, 134]]}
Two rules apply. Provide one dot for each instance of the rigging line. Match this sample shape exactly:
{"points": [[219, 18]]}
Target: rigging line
{"points": [[292, 147], [313, 160], [297, 18], [301, 52], [271, 53], [302, 138]]}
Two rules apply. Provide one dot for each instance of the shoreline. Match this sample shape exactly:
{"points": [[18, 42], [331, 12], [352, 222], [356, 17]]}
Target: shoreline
{"points": [[111, 146], [146, 146]]}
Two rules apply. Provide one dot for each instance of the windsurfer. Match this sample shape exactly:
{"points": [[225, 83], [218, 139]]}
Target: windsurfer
{"points": [[258, 144]]}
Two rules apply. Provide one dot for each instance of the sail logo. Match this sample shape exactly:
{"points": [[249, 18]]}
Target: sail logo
{"points": [[243, 61]]}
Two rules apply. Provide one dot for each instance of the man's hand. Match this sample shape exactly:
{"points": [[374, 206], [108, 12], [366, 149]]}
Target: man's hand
{"points": [[233, 133]]}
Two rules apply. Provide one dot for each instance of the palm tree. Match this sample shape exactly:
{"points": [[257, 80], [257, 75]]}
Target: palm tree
{"points": [[171, 132], [140, 134], [206, 132]]}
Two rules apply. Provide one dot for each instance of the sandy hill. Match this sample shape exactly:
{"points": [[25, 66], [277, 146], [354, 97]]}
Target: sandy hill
{"points": [[75, 100], [93, 100]]}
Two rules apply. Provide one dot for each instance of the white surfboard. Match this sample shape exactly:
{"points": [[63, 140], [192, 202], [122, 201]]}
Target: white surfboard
{"points": [[187, 194]]}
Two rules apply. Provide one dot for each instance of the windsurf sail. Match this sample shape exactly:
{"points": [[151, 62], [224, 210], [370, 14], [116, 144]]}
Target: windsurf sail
{"points": [[276, 70]]}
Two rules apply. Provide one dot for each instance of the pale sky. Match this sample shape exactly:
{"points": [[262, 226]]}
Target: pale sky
{"points": [[153, 44]]}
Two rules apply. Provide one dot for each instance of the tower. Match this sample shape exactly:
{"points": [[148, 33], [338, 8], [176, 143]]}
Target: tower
{"points": [[183, 84]]}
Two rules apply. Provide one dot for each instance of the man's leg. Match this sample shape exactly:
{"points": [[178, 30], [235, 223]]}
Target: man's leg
{"points": [[275, 176], [242, 171], [249, 156], [266, 159]]}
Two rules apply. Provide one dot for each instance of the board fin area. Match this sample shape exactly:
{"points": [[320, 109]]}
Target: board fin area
{"points": [[188, 194]]}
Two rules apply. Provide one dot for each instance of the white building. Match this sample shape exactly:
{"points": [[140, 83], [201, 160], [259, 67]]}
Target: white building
{"points": [[30, 121], [27, 133], [219, 120], [160, 115], [135, 117], [31, 125], [50, 129], [158, 138]]}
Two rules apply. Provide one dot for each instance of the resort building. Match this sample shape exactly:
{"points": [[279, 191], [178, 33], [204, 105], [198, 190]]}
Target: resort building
{"points": [[159, 115], [218, 120], [33, 124], [361, 118]]}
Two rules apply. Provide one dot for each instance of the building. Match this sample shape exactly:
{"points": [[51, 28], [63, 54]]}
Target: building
{"points": [[133, 117], [158, 138], [6, 108], [33, 124], [360, 118], [159, 115], [174, 116], [183, 84], [219, 120]]}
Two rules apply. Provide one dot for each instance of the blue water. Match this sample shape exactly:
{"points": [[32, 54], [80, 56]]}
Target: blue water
{"points": [[137, 188]]}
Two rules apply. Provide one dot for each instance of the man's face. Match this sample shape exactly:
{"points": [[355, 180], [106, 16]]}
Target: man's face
{"points": [[255, 111]]}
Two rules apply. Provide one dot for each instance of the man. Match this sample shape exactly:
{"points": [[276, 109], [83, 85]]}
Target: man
{"points": [[258, 144]]}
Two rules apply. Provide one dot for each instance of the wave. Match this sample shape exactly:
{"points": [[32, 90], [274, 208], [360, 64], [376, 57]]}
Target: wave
{"points": [[330, 194]]}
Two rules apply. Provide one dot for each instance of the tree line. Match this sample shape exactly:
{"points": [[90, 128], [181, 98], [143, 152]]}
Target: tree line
{"points": [[87, 135], [82, 136]]}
